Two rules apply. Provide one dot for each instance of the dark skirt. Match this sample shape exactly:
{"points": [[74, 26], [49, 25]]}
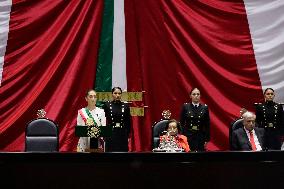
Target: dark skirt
{"points": [[118, 142]]}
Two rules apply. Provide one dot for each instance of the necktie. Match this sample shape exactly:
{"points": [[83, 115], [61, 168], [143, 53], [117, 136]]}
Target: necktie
{"points": [[253, 146]]}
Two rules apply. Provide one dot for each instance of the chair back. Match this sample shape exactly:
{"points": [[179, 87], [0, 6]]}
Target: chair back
{"points": [[157, 129], [237, 124], [42, 135], [234, 126]]}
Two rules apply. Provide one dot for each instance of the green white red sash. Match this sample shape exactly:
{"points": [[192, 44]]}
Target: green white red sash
{"points": [[86, 116]]}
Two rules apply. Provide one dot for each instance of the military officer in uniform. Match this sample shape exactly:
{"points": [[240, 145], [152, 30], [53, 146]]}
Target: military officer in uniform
{"points": [[195, 122], [118, 116], [269, 115]]}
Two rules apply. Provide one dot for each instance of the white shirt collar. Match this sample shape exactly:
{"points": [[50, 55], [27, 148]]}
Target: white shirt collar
{"points": [[195, 104]]}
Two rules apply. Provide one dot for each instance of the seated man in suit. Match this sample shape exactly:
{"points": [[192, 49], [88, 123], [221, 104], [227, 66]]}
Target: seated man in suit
{"points": [[249, 137]]}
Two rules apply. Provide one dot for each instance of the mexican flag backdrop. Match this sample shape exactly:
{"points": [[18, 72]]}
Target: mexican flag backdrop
{"points": [[52, 52]]}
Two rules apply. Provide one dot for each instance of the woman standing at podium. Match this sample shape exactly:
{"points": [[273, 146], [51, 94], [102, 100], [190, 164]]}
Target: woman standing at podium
{"points": [[119, 118], [90, 115]]}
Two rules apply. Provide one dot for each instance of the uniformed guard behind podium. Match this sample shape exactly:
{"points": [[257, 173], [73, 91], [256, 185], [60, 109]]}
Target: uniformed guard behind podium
{"points": [[118, 116], [195, 122], [90, 116], [269, 115]]}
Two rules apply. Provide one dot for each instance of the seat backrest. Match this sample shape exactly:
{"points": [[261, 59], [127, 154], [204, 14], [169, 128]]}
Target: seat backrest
{"points": [[237, 124], [234, 126], [157, 129], [42, 135]]}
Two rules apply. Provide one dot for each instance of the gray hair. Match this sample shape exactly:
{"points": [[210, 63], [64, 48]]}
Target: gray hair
{"points": [[248, 114]]}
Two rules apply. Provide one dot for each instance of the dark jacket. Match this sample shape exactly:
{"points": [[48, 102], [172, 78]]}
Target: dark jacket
{"points": [[240, 140], [195, 120], [118, 116]]}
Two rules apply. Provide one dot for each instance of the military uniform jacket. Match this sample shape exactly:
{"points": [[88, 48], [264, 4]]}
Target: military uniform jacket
{"points": [[269, 115], [195, 120], [118, 116]]}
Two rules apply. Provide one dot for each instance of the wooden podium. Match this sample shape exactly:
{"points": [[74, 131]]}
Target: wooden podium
{"points": [[83, 131]]}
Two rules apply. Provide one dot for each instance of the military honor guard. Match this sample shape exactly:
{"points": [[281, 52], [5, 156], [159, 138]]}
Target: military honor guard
{"points": [[269, 115], [195, 122], [118, 116]]}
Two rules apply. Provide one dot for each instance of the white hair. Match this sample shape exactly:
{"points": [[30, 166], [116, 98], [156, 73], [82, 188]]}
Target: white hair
{"points": [[248, 114]]}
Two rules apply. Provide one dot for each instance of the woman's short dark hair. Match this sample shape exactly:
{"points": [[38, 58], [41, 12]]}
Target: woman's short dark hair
{"points": [[268, 89], [173, 121], [193, 89], [89, 90], [114, 88]]}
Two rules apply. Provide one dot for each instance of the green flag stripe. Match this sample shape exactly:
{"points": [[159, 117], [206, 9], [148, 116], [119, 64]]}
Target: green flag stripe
{"points": [[103, 80]]}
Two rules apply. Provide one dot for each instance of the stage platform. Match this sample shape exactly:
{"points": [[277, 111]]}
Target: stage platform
{"points": [[143, 170]]}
